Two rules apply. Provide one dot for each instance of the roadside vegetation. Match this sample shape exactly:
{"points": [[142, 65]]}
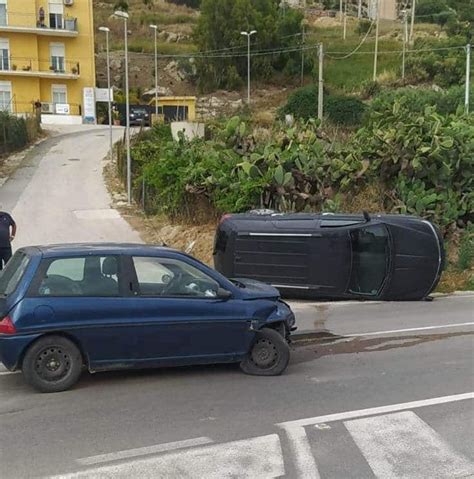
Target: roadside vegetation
{"points": [[16, 132]]}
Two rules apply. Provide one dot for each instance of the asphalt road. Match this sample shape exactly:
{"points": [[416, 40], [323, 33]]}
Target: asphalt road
{"points": [[58, 194], [386, 392]]}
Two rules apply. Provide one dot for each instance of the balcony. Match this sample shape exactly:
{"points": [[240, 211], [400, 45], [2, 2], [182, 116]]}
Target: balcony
{"points": [[56, 68], [55, 26]]}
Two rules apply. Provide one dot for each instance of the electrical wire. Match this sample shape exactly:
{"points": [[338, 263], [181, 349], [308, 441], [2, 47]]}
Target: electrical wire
{"points": [[356, 49]]}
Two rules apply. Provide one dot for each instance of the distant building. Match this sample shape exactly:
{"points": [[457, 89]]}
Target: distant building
{"points": [[47, 59]]}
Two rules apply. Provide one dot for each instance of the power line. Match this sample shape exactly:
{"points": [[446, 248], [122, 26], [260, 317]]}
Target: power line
{"points": [[356, 48]]}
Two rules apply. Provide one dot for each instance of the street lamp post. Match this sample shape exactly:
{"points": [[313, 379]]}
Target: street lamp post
{"points": [[155, 29], [107, 31], [124, 17], [248, 35]]}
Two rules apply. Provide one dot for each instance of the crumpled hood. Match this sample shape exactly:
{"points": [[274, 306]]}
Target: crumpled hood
{"points": [[251, 289]]}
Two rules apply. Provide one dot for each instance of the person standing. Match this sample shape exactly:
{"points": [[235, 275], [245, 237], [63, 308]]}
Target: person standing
{"points": [[7, 235]]}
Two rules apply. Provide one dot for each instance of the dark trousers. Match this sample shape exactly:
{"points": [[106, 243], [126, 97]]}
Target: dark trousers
{"points": [[5, 255]]}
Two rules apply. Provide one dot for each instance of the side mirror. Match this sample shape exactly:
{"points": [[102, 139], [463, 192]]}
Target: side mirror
{"points": [[223, 294]]}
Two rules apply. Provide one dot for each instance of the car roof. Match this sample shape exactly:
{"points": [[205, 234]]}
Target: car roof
{"points": [[75, 249]]}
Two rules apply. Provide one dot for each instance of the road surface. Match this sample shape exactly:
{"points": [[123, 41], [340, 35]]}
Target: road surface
{"points": [[386, 393], [58, 194]]}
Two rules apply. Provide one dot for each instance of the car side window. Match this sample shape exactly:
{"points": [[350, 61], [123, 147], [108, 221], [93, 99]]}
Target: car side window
{"points": [[172, 278], [80, 276], [370, 253]]}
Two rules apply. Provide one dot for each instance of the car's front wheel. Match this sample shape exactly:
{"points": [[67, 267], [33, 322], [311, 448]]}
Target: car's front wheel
{"points": [[268, 356], [52, 364]]}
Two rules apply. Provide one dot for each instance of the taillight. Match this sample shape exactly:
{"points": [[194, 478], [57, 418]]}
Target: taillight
{"points": [[7, 326]]}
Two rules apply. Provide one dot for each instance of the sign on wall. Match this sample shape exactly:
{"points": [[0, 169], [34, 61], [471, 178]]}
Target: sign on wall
{"points": [[104, 94], [62, 109], [89, 115]]}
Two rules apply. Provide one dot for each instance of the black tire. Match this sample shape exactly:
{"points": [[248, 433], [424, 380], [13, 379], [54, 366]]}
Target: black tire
{"points": [[269, 354], [52, 364]]}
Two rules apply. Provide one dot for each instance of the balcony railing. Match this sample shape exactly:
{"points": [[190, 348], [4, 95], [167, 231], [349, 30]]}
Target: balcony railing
{"points": [[47, 25], [31, 66]]}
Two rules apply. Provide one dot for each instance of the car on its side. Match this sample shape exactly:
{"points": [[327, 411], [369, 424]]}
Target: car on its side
{"points": [[116, 306], [332, 256]]}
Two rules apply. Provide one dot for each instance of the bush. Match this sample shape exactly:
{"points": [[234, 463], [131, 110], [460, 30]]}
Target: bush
{"points": [[302, 103], [13, 132], [466, 249], [443, 67], [363, 26], [417, 99], [340, 110], [344, 110]]}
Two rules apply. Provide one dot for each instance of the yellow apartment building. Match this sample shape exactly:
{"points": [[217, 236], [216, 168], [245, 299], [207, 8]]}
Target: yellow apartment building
{"points": [[47, 59]]}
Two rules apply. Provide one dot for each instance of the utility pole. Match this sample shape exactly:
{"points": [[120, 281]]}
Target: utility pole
{"points": [[468, 77], [377, 21], [303, 32], [320, 84], [155, 29], [405, 40], [344, 30], [124, 16], [359, 9], [248, 35], [302, 52], [412, 26], [106, 30], [340, 10]]}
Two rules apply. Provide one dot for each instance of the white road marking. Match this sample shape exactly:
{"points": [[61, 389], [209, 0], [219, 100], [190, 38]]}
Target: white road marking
{"points": [[99, 214], [401, 445], [302, 454], [409, 330], [299, 442], [259, 457], [7, 373], [142, 451], [343, 416]]}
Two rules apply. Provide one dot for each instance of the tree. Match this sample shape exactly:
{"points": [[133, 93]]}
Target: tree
{"points": [[218, 31], [121, 5]]}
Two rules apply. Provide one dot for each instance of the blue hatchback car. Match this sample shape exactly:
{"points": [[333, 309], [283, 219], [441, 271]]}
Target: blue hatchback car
{"points": [[112, 306]]}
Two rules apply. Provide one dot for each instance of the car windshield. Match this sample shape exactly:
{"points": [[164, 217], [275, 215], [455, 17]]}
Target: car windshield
{"points": [[370, 255], [11, 276]]}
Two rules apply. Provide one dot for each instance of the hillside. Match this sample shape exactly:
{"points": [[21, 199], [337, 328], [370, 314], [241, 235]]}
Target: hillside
{"points": [[176, 24]]}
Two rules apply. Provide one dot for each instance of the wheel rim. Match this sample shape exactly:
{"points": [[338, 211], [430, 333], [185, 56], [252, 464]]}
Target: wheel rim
{"points": [[53, 364], [264, 354]]}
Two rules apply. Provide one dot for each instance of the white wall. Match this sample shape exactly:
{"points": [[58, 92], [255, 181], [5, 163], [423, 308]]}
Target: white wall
{"points": [[61, 120]]}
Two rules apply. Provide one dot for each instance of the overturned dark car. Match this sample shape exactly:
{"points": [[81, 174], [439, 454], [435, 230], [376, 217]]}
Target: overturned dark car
{"points": [[333, 256]]}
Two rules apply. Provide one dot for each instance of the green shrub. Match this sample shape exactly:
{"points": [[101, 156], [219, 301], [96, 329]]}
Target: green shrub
{"points": [[13, 132], [466, 249], [344, 110], [363, 26], [302, 103], [444, 67], [417, 99]]}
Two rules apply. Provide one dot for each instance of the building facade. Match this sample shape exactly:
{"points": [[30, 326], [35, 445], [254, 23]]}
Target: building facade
{"points": [[47, 58]]}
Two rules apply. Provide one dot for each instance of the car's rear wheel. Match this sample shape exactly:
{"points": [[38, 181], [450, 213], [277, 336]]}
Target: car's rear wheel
{"points": [[52, 364], [268, 356]]}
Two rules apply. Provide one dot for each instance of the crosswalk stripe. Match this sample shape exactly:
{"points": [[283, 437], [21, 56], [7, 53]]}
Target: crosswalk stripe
{"points": [[401, 445], [259, 457]]}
